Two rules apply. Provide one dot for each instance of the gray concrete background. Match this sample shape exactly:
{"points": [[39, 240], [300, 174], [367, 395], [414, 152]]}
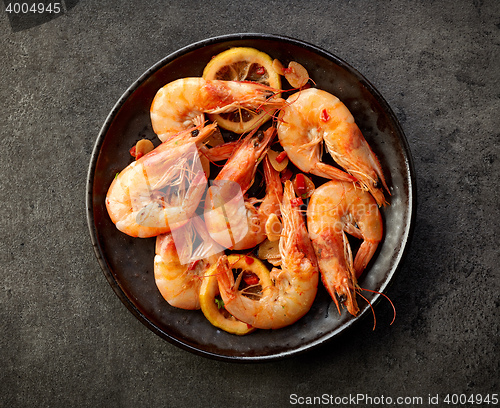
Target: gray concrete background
{"points": [[67, 340]]}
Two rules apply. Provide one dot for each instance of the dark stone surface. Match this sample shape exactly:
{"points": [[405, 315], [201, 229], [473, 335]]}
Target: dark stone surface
{"points": [[67, 340]]}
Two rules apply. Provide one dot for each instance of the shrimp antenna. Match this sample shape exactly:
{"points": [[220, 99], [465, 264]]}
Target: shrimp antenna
{"points": [[210, 160], [272, 114], [387, 297], [275, 114], [373, 311]]}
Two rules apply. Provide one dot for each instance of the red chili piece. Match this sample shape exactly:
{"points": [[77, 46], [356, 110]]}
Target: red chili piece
{"points": [[280, 157], [301, 184], [249, 260], [296, 202], [325, 117], [251, 278], [260, 71], [132, 151]]}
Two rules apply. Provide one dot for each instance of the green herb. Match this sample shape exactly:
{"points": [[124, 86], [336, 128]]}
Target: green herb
{"points": [[116, 175], [220, 303]]}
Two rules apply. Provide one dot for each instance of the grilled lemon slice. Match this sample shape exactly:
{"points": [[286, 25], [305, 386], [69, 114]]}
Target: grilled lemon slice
{"points": [[242, 64], [253, 275]]}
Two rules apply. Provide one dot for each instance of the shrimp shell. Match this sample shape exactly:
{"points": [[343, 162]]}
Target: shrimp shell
{"points": [[178, 105], [179, 268], [337, 208], [312, 116], [136, 199]]}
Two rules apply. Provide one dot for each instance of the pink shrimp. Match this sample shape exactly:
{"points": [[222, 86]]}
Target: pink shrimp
{"points": [[137, 201], [179, 267], [337, 208], [294, 286], [178, 105], [312, 116]]}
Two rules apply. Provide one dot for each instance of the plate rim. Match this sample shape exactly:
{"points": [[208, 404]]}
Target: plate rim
{"points": [[412, 199]]}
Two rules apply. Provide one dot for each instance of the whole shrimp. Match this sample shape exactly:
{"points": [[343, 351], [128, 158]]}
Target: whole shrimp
{"points": [[295, 284], [233, 220], [312, 116], [179, 268], [161, 190], [178, 105], [336, 208]]}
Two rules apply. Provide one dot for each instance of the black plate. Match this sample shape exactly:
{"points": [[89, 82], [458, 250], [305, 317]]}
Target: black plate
{"points": [[128, 262]]}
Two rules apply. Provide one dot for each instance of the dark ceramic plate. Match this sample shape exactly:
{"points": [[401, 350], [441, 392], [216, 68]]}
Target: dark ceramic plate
{"points": [[128, 262]]}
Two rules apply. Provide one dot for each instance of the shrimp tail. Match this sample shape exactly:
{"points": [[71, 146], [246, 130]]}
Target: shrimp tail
{"points": [[274, 189], [225, 278], [196, 189], [379, 197], [330, 172], [370, 182], [374, 189], [363, 256]]}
